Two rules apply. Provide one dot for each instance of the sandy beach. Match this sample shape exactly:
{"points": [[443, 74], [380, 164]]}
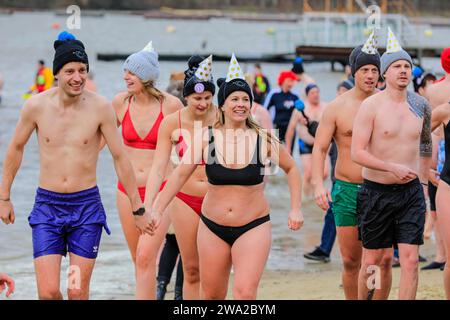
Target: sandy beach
{"points": [[323, 282], [325, 285]]}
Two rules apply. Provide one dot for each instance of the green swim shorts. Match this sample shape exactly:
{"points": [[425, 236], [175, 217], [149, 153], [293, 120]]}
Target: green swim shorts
{"points": [[344, 197]]}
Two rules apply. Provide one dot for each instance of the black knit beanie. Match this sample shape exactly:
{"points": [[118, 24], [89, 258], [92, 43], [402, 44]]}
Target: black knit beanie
{"points": [[359, 58], [191, 83], [68, 51], [227, 88]]}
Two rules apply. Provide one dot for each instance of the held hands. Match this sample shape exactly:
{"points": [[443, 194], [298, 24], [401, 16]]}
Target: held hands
{"points": [[155, 220], [6, 281], [295, 220], [402, 172], [7, 212], [143, 224], [322, 197]]}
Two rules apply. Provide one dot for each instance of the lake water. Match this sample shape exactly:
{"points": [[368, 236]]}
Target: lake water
{"points": [[27, 37]]}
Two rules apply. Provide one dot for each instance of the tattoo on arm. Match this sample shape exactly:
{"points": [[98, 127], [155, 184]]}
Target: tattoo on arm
{"points": [[426, 143], [420, 108]]}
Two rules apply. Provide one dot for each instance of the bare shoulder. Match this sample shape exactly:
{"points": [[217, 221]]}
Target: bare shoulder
{"points": [[37, 103], [118, 102], [171, 103], [97, 101], [330, 110], [415, 99], [371, 102]]}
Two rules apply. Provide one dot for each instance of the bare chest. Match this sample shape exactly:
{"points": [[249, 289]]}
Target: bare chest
{"points": [[70, 129], [397, 124], [344, 123]]}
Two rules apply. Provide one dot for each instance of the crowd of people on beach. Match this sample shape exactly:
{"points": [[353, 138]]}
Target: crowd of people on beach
{"points": [[193, 162]]}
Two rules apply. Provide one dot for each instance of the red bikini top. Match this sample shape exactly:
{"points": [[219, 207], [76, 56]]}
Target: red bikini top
{"points": [[181, 145], [131, 137]]}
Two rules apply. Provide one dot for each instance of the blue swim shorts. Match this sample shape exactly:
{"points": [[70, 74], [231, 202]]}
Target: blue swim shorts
{"points": [[67, 222]]}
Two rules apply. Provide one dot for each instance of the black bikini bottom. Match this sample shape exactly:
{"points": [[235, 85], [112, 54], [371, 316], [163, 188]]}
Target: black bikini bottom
{"points": [[231, 234]]}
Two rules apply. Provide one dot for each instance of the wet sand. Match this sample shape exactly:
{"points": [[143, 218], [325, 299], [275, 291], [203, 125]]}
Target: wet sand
{"points": [[322, 281], [325, 285]]}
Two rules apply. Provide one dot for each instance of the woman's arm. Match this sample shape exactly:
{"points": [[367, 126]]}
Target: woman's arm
{"points": [[178, 178], [280, 156]]}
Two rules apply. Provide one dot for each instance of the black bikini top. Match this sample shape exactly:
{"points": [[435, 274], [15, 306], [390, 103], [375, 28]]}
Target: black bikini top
{"points": [[217, 174]]}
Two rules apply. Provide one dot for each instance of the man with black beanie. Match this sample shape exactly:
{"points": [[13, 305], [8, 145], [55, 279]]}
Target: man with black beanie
{"points": [[68, 215], [337, 124], [392, 142]]}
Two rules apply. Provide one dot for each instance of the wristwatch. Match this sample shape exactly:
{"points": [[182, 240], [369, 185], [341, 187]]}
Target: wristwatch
{"points": [[139, 212]]}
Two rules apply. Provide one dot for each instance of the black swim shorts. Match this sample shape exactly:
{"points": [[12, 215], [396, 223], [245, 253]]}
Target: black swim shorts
{"points": [[389, 214]]}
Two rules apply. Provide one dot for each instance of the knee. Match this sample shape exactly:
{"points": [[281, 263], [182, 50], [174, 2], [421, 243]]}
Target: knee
{"points": [[145, 260], [351, 264], [214, 295], [369, 264], [77, 294], [409, 262], [386, 262], [307, 174], [191, 273], [244, 292], [50, 294]]}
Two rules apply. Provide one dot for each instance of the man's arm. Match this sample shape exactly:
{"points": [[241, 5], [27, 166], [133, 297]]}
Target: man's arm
{"points": [[122, 164], [24, 128], [324, 136], [304, 134], [426, 146], [117, 104]]}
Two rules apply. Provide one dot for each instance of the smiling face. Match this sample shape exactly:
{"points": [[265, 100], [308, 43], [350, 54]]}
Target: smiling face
{"points": [[199, 103], [399, 74], [366, 78], [134, 84], [72, 78], [237, 107]]}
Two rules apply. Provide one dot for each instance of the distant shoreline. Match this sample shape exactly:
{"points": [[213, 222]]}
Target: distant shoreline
{"points": [[235, 13]]}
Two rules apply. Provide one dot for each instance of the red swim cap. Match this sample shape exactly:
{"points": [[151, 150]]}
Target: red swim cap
{"points": [[286, 75], [445, 60]]}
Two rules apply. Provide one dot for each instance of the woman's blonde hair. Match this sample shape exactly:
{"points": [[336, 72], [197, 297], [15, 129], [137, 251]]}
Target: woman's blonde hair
{"points": [[150, 89], [250, 123]]}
